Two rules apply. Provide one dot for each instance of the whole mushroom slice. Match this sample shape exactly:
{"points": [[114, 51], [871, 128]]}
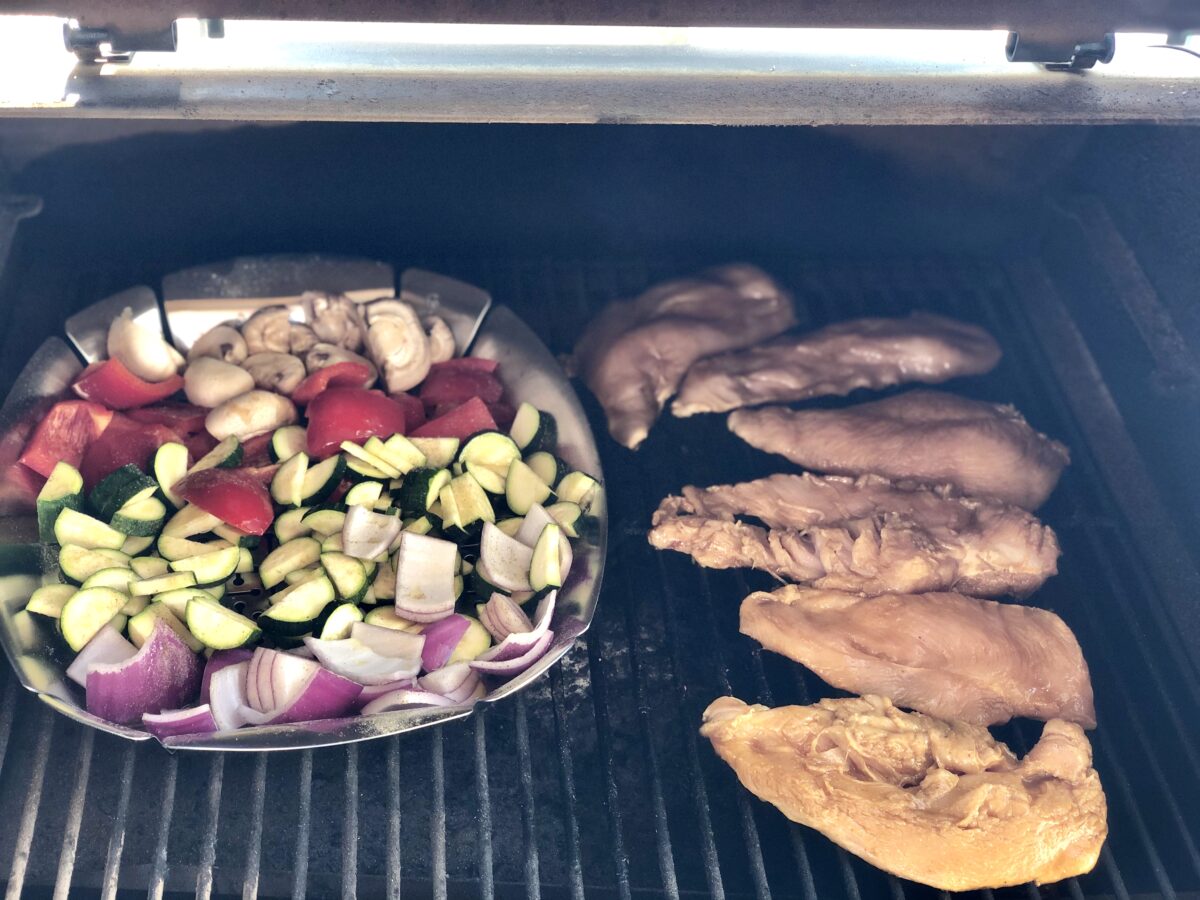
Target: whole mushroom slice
{"points": [[269, 330], [323, 355], [441, 338], [250, 414], [275, 371], [397, 342], [140, 350], [209, 382], [301, 339], [224, 342], [335, 318]]}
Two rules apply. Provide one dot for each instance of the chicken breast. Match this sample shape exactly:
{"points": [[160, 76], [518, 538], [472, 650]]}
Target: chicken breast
{"points": [[859, 353], [634, 354], [982, 449], [936, 802], [860, 534], [944, 654]]}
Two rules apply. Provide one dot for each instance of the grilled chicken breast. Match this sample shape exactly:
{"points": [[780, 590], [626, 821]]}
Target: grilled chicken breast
{"points": [[860, 534], [859, 353], [943, 654], [635, 352], [937, 802], [982, 449]]}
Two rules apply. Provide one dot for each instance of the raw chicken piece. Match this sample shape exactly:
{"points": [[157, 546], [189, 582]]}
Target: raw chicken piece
{"points": [[937, 802], [946, 655], [635, 352], [863, 534], [860, 353], [982, 449]]}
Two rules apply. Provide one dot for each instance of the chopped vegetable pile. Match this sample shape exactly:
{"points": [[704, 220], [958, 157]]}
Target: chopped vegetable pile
{"points": [[409, 538]]}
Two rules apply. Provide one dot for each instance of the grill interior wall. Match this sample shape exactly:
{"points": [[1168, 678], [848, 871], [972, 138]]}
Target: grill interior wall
{"points": [[595, 780]]}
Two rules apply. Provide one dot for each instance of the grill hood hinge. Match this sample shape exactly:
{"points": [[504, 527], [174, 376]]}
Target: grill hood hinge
{"points": [[1059, 54]]}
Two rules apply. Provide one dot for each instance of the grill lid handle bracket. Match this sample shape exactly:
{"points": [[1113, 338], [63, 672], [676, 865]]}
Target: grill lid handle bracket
{"points": [[1060, 54]]}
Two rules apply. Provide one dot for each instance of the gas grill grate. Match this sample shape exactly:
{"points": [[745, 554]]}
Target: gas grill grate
{"points": [[595, 782]]}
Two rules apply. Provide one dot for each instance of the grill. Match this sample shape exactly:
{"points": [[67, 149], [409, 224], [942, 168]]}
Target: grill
{"points": [[595, 782]]}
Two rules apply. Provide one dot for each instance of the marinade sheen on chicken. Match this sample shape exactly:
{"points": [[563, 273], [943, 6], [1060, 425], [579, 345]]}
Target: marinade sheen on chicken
{"points": [[635, 352], [937, 802], [859, 353], [860, 534], [943, 654], [982, 449]]}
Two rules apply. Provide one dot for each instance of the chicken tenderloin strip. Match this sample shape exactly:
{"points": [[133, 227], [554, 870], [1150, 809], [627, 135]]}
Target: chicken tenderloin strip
{"points": [[634, 354], [942, 654], [981, 449], [833, 361], [940, 803], [865, 534]]}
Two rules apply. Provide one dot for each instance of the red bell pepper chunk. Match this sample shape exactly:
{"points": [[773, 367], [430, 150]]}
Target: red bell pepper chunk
{"points": [[234, 496], [256, 451], [350, 414], [465, 364], [414, 410], [182, 418], [123, 442], [64, 434], [199, 445], [461, 422], [113, 385], [460, 386], [503, 412], [343, 374]]}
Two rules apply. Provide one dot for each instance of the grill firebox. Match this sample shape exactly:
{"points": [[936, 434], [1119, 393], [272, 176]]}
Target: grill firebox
{"points": [[595, 782]]}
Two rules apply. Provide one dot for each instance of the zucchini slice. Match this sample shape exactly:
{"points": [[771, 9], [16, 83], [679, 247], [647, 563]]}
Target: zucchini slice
{"points": [[548, 467], [578, 487], [326, 521], [385, 617], [302, 610], [142, 625], [190, 521], [78, 563], [62, 490], [365, 493], [149, 566], [397, 451], [534, 430], [287, 441], [567, 515], [226, 455], [160, 584], [177, 600], [235, 536], [297, 554], [383, 585], [126, 485], [362, 455], [49, 599], [87, 612], [170, 465], [116, 578], [172, 548], [142, 518], [358, 470], [487, 456], [511, 525], [439, 452], [211, 568], [420, 489], [523, 488], [349, 576], [322, 480], [287, 487], [545, 569], [290, 525], [217, 627], [333, 544], [341, 620], [135, 544], [471, 503], [80, 529], [419, 525]]}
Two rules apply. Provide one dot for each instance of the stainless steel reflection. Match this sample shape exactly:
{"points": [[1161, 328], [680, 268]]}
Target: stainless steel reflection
{"points": [[527, 368], [88, 328], [462, 305]]}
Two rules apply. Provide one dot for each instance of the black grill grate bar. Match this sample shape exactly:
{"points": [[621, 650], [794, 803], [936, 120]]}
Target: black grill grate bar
{"points": [[1114, 873], [208, 852], [66, 855], [166, 812], [567, 770], [258, 792], [116, 842], [437, 819], [350, 826], [33, 798], [483, 800], [303, 827], [533, 888], [393, 818], [7, 709]]}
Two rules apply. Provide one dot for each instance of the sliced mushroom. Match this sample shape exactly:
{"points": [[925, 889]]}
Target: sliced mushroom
{"points": [[268, 330], [224, 342], [323, 355], [140, 350], [398, 344], [209, 382], [441, 338], [275, 371], [301, 339], [250, 414], [335, 318]]}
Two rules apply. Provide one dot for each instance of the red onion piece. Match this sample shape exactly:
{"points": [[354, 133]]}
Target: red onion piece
{"points": [[456, 681], [197, 720], [505, 668], [440, 640], [404, 699], [106, 648], [517, 645], [502, 617], [374, 691], [351, 658], [227, 696], [218, 661], [164, 674], [389, 641], [297, 689], [324, 696], [531, 528]]}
